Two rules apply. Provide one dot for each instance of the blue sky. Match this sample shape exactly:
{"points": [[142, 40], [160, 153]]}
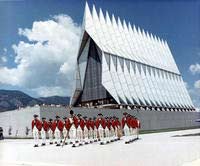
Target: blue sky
{"points": [[175, 21]]}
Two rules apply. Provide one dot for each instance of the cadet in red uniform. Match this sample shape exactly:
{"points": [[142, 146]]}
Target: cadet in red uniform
{"points": [[65, 131], [36, 127], [101, 127], [107, 130], [79, 130], [74, 124], [118, 126], [50, 131], [90, 130], [45, 127], [67, 125], [95, 132], [86, 131], [125, 125], [58, 126]]}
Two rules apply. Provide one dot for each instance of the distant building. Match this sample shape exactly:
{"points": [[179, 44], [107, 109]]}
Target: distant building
{"points": [[121, 65]]}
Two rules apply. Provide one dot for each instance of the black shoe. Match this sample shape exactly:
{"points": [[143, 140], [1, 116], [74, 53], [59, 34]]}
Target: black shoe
{"points": [[51, 143], [101, 143], [111, 140], [95, 140], [58, 145], [91, 142], [118, 139], [35, 145], [66, 143], [99, 139], [73, 145], [43, 144], [86, 143], [127, 142], [107, 142], [76, 141], [80, 144]]}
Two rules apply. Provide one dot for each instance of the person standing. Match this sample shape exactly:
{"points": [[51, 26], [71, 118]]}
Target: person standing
{"points": [[95, 131], [45, 127], [50, 131], [100, 127], [125, 126], [65, 131], [74, 125], [80, 129], [107, 130], [58, 125], [36, 128], [86, 131]]}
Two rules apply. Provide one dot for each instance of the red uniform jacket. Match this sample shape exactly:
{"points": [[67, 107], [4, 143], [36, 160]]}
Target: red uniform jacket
{"points": [[88, 122], [82, 124], [37, 123], [100, 121], [113, 123], [75, 121], [51, 126], [59, 124], [92, 124], [108, 124], [125, 120], [45, 125], [67, 124], [117, 122]]}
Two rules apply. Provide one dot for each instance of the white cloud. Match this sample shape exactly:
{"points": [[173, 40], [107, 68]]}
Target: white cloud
{"points": [[50, 91], [46, 62], [195, 69], [197, 85]]}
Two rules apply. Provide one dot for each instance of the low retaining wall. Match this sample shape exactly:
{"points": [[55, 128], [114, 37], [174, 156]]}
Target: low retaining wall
{"points": [[150, 120], [19, 121]]}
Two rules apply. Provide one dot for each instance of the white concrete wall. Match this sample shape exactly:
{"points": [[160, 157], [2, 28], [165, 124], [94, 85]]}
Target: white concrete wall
{"points": [[18, 120]]}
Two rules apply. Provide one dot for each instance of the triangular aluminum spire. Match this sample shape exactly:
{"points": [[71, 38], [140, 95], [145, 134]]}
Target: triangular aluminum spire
{"points": [[101, 17], [125, 26], [87, 20], [119, 23], [94, 13], [129, 27], [108, 21]]}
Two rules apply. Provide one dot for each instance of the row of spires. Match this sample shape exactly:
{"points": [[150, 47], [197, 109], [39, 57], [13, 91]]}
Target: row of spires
{"points": [[124, 25]]}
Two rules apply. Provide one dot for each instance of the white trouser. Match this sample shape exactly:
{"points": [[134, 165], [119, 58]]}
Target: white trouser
{"points": [[43, 135], [112, 130], [116, 132], [57, 135], [50, 135], [36, 135], [101, 133], [65, 132], [72, 133], [131, 131], [79, 133], [90, 133], [126, 132], [86, 132], [137, 132], [107, 134], [95, 131]]}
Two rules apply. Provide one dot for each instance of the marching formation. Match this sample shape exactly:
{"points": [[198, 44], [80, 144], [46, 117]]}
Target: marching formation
{"points": [[77, 130]]}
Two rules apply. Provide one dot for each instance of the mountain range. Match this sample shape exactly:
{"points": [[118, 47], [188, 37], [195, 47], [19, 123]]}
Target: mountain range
{"points": [[13, 99]]}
